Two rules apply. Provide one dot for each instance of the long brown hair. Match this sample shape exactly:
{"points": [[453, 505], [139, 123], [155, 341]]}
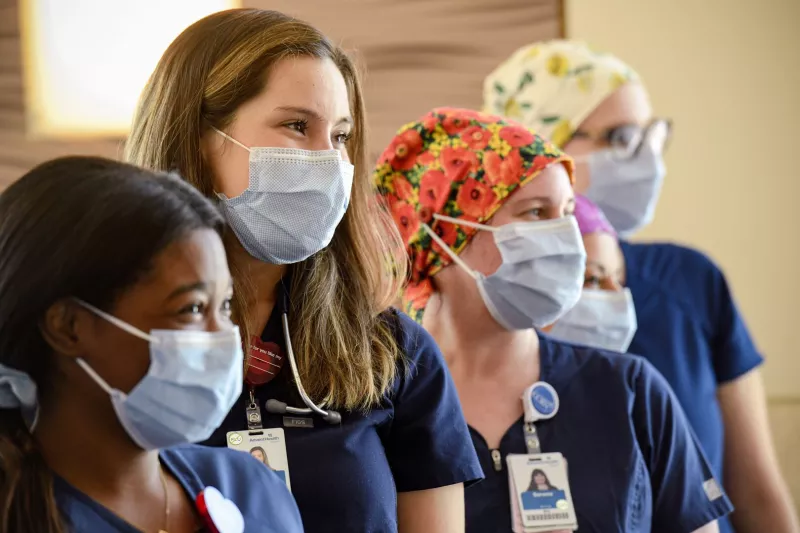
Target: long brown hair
{"points": [[119, 218], [346, 353]]}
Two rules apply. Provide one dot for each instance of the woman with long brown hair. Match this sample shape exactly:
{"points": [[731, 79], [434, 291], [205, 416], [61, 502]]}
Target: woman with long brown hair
{"points": [[262, 112]]}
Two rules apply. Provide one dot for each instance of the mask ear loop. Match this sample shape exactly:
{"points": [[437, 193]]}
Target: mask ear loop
{"points": [[231, 139], [438, 240], [124, 326], [469, 224]]}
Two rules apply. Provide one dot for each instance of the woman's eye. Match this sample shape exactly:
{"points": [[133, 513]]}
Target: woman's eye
{"points": [[227, 307], [300, 126], [536, 212], [342, 138], [591, 282], [193, 309]]}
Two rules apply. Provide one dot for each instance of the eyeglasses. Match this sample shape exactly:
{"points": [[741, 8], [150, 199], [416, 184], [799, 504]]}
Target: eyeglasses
{"points": [[627, 139]]}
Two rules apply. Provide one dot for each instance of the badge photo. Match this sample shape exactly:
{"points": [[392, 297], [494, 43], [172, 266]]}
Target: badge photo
{"points": [[268, 446], [541, 489]]}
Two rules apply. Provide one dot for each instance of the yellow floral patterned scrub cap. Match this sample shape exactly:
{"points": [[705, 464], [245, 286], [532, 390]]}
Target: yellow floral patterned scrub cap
{"points": [[551, 87]]}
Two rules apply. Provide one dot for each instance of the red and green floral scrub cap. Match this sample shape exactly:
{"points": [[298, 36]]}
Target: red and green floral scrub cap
{"points": [[458, 163]]}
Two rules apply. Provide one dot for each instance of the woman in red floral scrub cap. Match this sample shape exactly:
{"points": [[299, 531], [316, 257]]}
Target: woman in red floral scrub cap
{"points": [[485, 206]]}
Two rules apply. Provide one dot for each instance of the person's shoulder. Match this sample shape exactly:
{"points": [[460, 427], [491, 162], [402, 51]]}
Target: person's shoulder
{"points": [[661, 258], [257, 491], [595, 362], [213, 464], [421, 365], [416, 344]]}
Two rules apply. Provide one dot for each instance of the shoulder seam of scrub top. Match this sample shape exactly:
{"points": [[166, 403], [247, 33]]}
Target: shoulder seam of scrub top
{"points": [[664, 290]]}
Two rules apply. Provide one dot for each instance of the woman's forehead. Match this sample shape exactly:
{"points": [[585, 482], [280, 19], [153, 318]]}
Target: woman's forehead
{"points": [[630, 104]]}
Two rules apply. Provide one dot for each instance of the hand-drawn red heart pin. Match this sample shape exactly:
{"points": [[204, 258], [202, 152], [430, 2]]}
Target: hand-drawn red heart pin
{"points": [[266, 361]]}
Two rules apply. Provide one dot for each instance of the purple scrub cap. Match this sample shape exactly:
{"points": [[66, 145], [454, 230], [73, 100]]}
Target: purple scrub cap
{"points": [[590, 218]]}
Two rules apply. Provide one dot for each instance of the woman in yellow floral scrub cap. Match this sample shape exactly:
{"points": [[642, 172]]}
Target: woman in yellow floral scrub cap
{"points": [[485, 206], [597, 109]]}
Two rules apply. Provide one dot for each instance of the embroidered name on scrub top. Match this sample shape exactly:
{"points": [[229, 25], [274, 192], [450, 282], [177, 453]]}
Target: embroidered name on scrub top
{"points": [[538, 482]]}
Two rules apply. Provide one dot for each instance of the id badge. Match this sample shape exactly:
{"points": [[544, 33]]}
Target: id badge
{"points": [[540, 496], [266, 445]]}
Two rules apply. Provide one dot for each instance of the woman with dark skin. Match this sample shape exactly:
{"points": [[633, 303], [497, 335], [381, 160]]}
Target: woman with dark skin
{"points": [[116, 353]]}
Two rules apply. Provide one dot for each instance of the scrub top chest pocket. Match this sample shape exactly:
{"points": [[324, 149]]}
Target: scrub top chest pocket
{"points": [[345, 476]]}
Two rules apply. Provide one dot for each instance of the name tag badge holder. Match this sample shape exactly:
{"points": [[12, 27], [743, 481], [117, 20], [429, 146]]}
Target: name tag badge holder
{"points": [[268, 446], [541, 500]]}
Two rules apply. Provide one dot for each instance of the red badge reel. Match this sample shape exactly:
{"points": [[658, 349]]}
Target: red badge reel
{"points": [[266, 361], [219, 513]]}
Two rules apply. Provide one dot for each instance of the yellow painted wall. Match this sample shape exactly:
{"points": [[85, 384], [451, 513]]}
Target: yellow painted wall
{"points": [[728, 73]]}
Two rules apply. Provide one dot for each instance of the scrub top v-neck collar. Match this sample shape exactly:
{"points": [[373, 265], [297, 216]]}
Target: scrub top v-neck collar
{"points": [[545, 372], [188, 480]]}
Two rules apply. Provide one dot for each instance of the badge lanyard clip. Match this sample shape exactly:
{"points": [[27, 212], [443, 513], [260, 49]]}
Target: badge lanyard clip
{"points": [[253, 413], [539, 402]]}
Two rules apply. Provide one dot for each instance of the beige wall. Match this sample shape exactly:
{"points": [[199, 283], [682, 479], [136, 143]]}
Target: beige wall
{"points": [[728, 73]]}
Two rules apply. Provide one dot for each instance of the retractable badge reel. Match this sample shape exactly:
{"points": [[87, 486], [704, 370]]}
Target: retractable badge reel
{"points": [[539, 402], [541, 500]]}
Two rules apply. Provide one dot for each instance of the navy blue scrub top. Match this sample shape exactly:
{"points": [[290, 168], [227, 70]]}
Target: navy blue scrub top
{"points": [[691, 331], [346, 477], [632, 461], [259, 494]]}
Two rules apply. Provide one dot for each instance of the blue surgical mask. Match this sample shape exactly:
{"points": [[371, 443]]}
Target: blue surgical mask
{"points": [[602, 319], [627, 188], [194, 379], [541, 276], [293, 204]]}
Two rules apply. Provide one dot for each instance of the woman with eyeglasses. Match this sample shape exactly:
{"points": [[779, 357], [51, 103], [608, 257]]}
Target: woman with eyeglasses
{"points": [[596, 108]]}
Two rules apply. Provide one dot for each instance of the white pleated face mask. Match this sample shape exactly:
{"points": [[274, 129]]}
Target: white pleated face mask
{"points": [[293, 204], [541, 276], [627, 189], [193, 381], [602, 319]]}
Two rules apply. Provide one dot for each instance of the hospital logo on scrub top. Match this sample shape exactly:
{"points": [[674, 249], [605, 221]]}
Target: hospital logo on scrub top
{"points": [[543, 400]]}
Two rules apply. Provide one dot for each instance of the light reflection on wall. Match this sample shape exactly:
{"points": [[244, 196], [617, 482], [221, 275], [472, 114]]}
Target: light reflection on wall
{"points": [[86, 61]]}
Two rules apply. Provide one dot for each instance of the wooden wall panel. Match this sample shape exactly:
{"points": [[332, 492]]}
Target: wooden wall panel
{"points": [[417, 54]]}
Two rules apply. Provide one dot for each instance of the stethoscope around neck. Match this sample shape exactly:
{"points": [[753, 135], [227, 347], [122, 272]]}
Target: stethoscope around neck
{"points": [[278, 407]]}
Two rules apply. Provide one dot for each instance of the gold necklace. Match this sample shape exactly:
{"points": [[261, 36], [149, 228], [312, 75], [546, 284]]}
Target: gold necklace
{"points": [[166, 500]]}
